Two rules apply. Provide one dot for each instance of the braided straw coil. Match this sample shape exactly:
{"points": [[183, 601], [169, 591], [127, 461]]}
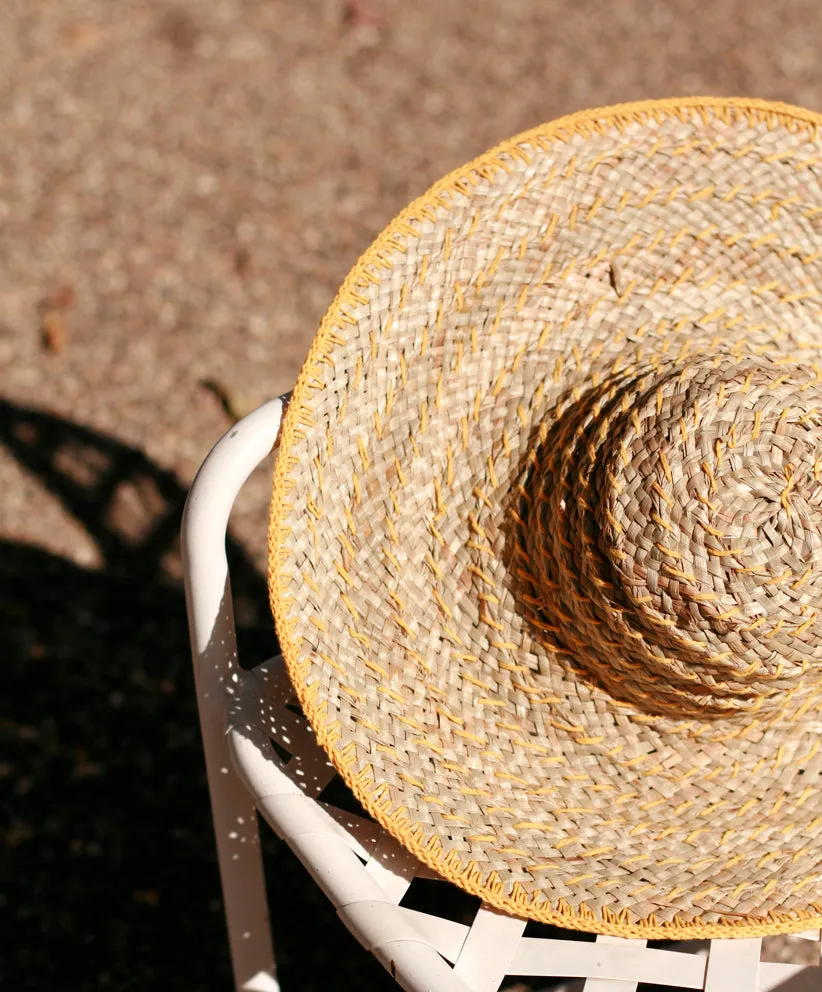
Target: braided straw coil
{"points": [[546, 531]]}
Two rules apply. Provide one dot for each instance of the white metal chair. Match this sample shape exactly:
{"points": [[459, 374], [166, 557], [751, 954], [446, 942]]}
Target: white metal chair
{"points": [[362, 870]]}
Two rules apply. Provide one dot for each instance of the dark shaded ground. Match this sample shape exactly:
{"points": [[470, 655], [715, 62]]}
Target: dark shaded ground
{"points": [[109, 848]]}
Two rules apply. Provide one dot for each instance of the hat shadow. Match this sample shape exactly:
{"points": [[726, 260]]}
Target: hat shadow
{"points": [[109, 859], [527, 563], [547, 591]]}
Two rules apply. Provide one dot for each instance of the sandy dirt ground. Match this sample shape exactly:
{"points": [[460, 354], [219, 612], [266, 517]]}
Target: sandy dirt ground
{"points": [[183, 186]]}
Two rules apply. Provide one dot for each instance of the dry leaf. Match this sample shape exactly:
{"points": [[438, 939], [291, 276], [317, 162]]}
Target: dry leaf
{"points": [[52, 318], [363, 12], [242, 261], [236, 405], [54, 331]]}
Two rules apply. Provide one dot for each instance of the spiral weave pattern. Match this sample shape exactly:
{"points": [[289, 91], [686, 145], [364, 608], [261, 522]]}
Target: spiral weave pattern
{"points": [[547, 516], [675, 536]]}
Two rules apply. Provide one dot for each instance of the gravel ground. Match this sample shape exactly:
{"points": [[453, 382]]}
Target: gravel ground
{"points": [[182, 188]]}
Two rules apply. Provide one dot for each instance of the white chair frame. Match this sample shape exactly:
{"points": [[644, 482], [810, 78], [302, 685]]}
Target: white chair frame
{"points": [[362, 870]]}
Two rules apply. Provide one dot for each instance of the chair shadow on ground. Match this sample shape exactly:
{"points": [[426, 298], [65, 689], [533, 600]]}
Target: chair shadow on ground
{"points": [[109, 865], [108, 874]]}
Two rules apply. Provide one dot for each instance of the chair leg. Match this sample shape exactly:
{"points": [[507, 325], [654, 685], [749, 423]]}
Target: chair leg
{"points": [[241, 873], [235, 820], [217, 675]]}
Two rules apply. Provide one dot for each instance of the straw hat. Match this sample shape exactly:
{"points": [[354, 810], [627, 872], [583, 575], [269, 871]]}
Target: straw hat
{"points": [[546, 535]]}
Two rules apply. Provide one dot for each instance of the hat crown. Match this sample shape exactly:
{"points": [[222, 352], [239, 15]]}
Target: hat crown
{"points": [[674, 530]]}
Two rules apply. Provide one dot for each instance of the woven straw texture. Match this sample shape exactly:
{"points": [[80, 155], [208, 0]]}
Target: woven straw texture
{"points": [[546, 531]]}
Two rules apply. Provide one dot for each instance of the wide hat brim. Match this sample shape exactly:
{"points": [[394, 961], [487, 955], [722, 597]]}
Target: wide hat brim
{"points": [[545, 532]]}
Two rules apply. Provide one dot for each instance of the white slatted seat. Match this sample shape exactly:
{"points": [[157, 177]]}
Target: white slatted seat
{"points": [[262, 758]]}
